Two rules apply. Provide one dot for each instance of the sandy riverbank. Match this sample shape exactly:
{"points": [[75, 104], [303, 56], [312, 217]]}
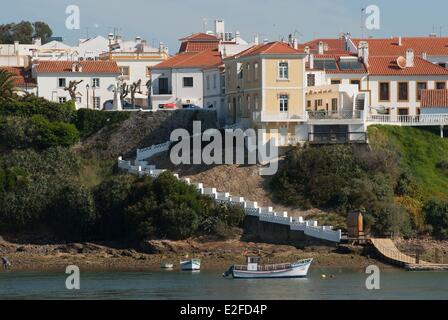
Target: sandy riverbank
{"points": [[215, 255]]}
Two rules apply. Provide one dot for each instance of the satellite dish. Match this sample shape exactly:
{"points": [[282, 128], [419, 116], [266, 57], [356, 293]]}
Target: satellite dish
{"points": [[401, 62]]}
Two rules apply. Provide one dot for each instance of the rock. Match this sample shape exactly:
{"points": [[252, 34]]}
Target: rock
{"points": [[155, 246]]}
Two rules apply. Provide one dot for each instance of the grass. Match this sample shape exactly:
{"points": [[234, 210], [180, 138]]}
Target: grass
{"points": [[94, 171], [420, 150]]}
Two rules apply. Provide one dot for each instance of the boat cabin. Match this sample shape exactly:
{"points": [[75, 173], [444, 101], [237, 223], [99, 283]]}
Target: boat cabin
{"points": [[252, 263]]}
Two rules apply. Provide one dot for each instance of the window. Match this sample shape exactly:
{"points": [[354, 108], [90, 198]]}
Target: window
{"points": [[163, 86], [403, 91], [335, 81], [442, 64], [248, 106], [78, 100], [283, 70], [97, 103], [62, 99], [125, 72], [311, 80], [403, 111], [96, 82], [256, 71], [207, 80], [283, 103], [318, 103], [188, 82], [440, 85], [356, 82], [308, 104], [240, 69], [61, 82], [334, 105], [384, 91], [325, 64], [421, 86], [256, 102], [148, 72], [215, 78], [248, 72]]}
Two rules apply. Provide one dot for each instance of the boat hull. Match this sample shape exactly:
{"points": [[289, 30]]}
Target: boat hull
{"points": [[190, 265], [296, 271]]}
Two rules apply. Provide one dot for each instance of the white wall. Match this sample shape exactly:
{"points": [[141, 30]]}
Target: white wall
{"points": [[48, 87], [137, 70], [412, 104], [180, 94]]}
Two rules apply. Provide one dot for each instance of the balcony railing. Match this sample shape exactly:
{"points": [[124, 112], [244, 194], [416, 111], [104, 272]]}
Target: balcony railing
{"points": [[329, 115], [282, 116], [416, 120], [337, 137]]}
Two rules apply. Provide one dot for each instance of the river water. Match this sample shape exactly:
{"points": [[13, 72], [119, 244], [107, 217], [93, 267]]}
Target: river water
{"points": [[345, 284]]}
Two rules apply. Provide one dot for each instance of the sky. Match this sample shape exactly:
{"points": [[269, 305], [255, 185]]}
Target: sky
{"points": [[169, 20]]}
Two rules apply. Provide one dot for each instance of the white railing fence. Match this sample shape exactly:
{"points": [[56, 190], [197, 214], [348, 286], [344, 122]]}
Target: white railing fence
{"points": [[423, 119], [251, 208]]}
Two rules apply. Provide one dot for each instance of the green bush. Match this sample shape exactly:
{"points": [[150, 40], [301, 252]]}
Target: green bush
{"points": [[36, 132], [30, 105], [89, 121], [72, 214], [436, 214]]}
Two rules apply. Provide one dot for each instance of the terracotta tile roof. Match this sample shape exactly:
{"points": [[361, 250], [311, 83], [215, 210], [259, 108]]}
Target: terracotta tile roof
{"points": [[387, 66], [97, 67], [332, 46], [203, 59], [198, 46], [23, 77], [199, 42], [388, 47], [276, 47], [200, 36], [434, 98]]}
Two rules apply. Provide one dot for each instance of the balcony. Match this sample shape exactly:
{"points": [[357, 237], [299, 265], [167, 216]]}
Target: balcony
{"points": [[409, 121], [280, 117], [338, 138], [340, 117]]}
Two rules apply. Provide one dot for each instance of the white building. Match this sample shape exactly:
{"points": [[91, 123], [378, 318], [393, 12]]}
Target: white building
{"points": [[98, 78], [23, 80], [180, 79], [135, 60]]}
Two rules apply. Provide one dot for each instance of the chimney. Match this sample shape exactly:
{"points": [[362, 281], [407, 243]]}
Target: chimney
{"points": [[37, 42], [400, 41], [424, 55], [138, 40], [307, 50], [321, 48], [409, 58], [16, 46], [161, 47], [220, 29], [311, 61], [256, 40], [237, 37], [295, 44], [363, 52]]}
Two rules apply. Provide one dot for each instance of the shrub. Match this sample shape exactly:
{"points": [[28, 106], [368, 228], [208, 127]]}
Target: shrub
{"points": [[30, 105], [89, 121], [72, 214], [436, 214], [36, 132]]}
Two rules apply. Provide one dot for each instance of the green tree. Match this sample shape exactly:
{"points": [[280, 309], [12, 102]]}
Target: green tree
{"points": [[7, 86], [72, 215], [436, 213], [42, 30]]}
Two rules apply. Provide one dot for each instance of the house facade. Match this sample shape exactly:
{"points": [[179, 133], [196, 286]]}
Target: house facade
{"points": [[98, 79]]}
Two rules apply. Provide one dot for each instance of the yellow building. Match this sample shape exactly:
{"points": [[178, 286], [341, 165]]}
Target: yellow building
{"points": [[265, 89]]}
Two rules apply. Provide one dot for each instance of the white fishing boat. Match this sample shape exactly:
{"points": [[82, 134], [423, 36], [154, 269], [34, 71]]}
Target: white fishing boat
{"points": [[191, 265], [253, 270]]}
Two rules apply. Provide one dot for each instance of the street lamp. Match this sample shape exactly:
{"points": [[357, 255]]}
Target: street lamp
{"points": [[87, 88], [93, 89]]}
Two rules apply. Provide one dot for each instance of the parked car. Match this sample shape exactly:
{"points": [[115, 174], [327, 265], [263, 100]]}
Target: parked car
{"points": [[168, 106], [190, 106]]}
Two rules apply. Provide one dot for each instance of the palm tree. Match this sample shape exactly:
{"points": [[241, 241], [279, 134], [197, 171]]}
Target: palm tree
{"points": [[7, 86]]}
